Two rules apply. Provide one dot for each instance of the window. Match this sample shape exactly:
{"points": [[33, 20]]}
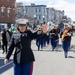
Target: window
{"points": [[44, 10], [3, 11], [8, 11], [39, 10], [37, 17], [40, 17], [26, 10], [35, 9]]}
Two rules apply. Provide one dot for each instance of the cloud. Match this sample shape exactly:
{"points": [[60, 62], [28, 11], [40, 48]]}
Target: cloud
{"points": [[68, 7]]}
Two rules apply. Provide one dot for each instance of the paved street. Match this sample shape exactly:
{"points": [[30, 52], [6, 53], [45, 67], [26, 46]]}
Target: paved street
{"points": [[47, 62]]}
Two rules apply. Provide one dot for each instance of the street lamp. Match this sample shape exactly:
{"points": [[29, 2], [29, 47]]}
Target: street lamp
{"points": [[24, 10], [34, 16], [34, 21]]}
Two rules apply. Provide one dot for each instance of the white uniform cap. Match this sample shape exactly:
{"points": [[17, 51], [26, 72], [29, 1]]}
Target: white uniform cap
{"points": [[66, 24], [22, 21]]}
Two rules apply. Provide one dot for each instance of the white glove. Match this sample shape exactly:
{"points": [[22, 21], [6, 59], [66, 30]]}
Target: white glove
{"points": [[6, 61], [68, 34]]}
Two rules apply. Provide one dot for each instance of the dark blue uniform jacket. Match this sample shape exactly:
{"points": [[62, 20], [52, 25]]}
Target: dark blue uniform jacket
{"points": [[22, 44]]}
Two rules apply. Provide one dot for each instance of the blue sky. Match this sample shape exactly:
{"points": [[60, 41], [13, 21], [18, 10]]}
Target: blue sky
{"points": [[67, 5]]}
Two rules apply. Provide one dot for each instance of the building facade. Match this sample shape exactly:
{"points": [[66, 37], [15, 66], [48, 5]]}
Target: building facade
{"points": [[50, 14], [42, 13], [37, 12], [7, 13], [58, 16], [19, 10], [54, 15]]}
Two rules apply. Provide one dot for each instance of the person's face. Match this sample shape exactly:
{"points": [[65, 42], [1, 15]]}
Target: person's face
{"points": [[22, 28], [4, 30]]}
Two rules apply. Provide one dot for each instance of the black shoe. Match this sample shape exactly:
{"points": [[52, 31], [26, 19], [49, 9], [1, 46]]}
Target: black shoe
{"points": [[3, 52], [38, 49], [65, 56], [52, 49]]}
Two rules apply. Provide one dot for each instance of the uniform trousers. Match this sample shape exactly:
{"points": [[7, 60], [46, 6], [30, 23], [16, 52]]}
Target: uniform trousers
{"points": [[65, 45], [23, 69], [54, 42]]}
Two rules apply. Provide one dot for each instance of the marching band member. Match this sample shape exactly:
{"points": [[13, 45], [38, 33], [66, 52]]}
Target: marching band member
{"points": [[66, 40], [38, 40], [21, 41], [54, 37]]}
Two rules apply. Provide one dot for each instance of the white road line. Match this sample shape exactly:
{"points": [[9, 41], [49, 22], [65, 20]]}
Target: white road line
{"points": [[6, 65]]}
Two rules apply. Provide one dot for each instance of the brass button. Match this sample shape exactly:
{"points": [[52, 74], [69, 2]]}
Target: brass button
{"points": [[22, 35]]}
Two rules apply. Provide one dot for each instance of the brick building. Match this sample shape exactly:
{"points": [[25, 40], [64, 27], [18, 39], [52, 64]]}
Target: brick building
{"points": [[7, 13]]}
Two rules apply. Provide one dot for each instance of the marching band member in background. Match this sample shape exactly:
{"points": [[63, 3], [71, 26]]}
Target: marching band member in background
{"points": [[39, 40], [54, 37], [66, 39]]}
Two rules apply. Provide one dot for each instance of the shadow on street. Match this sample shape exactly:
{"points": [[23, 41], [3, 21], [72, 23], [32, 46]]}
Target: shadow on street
{"points": [[3, 67]]}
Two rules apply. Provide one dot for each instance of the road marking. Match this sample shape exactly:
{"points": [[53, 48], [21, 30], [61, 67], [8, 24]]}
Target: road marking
{"points": [[6, 65]]}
